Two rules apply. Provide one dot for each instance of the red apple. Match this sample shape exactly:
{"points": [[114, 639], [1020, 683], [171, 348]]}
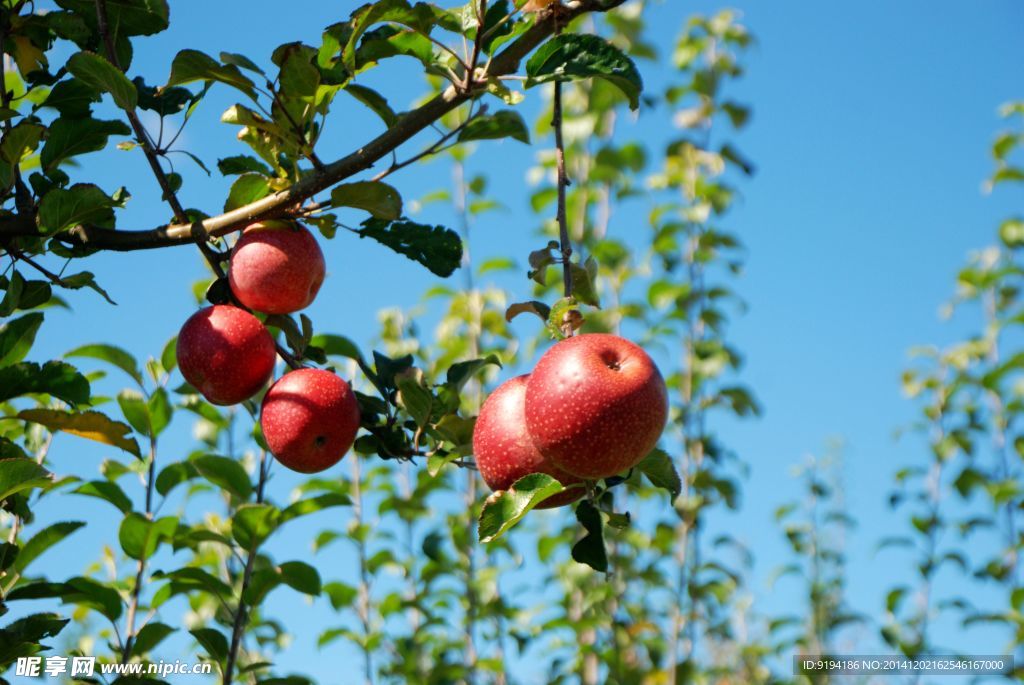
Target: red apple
{"points": [[276, 267], [225, 353], [503, 449], [310, 418], [595, 405]]}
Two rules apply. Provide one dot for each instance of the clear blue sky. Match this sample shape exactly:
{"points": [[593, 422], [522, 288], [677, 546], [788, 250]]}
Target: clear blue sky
{"points": [[870, 132]]}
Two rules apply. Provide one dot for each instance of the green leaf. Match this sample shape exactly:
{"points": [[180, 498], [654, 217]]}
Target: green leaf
{"points": [[337, 345], [532, 307], [435, 247], [240, 164], [213, 641], [72, 98], [460, 373], [163, 101], [151, 635], [311, 505], [96, 72], [419, 17], [160, 411], [298, 77], [506, 508], [72, 136], [29, 631], [414, 396], [18, 475], [246, 188], [106, 490], [225, 473], [375, 101], [139, 537], [91, 425], [240, 61], [573, 56], [85, 280], [169, 357], [584, 279], [174, 475], [501, 124], [81, 204], [19, 141], [135, 411], [661, 472], [379, 199], [16, 338], [301, 576], [590, 550], [190, 66], [130, 17], [93, 594], [44, 540], [57, 379], [253, 523]]}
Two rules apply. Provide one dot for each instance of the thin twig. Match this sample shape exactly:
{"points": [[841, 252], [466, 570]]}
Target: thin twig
{"points": [[133, 601], [241, 614], [436, 148], [565, 244]]}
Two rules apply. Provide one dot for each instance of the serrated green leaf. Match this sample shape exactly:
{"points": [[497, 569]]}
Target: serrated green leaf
{"points": [[435, 247], [225, 473], [140, 537], [247, 188], [379, 199], [572, 56], [108, 491], [53, 378], [17, 336], [501, 124], [72, 136], [96, 72], [190, 66], [506, 508], [414, 396], [661, 472], [151, 635], [18, 475], [42, 541], [81, 204], [375, 101], [254, 523]]}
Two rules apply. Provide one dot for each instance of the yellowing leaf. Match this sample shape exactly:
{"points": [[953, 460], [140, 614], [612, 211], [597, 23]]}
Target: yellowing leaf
{"points": [[91, 425]]}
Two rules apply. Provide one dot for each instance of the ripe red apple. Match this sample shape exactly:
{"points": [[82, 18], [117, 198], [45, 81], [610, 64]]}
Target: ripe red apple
{"points": [[276, 267], [310, 418], [595, 405], [225, 353], [503, 449]]}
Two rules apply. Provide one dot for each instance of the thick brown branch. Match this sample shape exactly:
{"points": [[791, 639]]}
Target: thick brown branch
{"points": [[281, 203]]}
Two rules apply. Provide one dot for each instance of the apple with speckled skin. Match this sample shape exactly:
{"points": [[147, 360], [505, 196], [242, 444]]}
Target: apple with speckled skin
{"points": [[310, 418], [225, 353], [503, 449], [276, 267], [595, 405]]}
